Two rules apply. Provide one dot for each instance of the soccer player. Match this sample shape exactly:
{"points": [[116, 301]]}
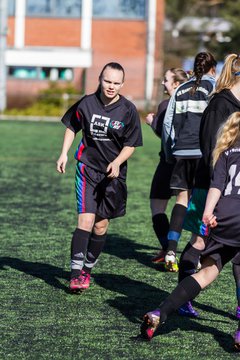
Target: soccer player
{"points": [[191, 99], [160, 192], [222, 216], [111, 130], [224, 101]]}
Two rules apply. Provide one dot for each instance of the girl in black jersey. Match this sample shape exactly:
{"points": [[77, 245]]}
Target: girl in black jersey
{"points": [[222, 216], [160, 192], [111, 130]]}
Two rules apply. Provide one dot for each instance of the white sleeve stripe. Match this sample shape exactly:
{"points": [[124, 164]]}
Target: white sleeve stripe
{"points": [[195, 106]]}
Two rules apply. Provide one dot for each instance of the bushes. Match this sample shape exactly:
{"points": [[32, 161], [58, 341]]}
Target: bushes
{"points": [[51, 102]]}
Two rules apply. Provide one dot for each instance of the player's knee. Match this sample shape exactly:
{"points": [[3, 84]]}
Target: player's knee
{"points": [[100, 228]]}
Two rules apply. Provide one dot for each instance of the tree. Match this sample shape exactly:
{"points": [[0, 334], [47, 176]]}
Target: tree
{"points": [[188, 43]]}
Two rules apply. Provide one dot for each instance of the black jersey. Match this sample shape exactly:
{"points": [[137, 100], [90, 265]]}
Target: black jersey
{"points": [[226, 178], [105, 130]]}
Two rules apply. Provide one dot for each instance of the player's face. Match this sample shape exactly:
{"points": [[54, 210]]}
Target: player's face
{"points": [[168, 82], [111, 83]]}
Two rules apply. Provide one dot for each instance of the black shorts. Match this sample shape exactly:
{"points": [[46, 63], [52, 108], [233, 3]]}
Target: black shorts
{"points": [[219, 252], [183, 176], [98, 194], [160, 188], [236, 259]]}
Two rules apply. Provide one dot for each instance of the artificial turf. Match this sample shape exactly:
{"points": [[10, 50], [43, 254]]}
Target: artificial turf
{"points": [[39, 318]]}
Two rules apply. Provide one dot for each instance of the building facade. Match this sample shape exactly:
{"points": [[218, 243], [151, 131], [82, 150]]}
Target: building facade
{"points": [[71, 40]]}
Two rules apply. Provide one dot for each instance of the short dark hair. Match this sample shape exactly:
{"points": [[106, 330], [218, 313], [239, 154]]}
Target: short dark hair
{"points": [[113, 65]]}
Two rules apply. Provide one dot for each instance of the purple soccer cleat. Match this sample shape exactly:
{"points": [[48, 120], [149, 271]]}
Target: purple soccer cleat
{"points": [[188, 310]]}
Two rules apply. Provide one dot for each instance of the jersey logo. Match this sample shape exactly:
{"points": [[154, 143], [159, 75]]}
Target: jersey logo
{"points": [[98, 127], [114, 124]]}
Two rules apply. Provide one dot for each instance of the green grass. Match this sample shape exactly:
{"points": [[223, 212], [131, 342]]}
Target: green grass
{"points": [[39, 318]]}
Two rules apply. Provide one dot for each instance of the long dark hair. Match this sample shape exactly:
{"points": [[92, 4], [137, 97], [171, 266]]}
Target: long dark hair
{"points": [[203, 62]]}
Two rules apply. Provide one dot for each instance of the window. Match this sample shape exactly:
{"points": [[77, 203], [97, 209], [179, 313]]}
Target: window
{"points": [[11, 7], [119, 9], [54, 8], [103, 9], [38, 73]]}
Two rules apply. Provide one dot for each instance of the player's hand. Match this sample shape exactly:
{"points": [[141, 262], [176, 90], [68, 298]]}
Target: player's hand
{"points": [[149, 119], [113, 169], [209, 220], [61, 163]]}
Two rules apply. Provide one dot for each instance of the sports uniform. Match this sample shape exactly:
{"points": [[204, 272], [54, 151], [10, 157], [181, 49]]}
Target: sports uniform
{"points": [[160, 188], [188, 109], [106, 130], [223, 245], [186, 123], [111, 130], [220, 107], [225, 242]]}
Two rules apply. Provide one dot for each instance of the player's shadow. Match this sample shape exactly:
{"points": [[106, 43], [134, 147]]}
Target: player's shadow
{"points": [[48, 273], [127, 249], [138, 297]]}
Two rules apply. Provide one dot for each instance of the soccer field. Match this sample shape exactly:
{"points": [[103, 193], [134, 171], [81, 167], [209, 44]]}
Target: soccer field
{"points": [[39, 318]]}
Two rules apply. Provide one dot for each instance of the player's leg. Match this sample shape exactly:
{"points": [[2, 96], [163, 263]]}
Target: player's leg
{"points": [[79, 247], [161, 227], [86, 207], [160, 194], [96, 244], [216, 256], [189, 260], [182, 180], [186, 290], [175, 229], [187, 266]]}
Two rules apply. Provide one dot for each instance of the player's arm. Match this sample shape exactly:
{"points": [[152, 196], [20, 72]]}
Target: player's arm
{"points": [[67, 142], [209, 218], [113, 168]]}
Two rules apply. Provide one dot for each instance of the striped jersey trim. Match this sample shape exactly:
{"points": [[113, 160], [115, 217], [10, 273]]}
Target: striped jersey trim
{"points": [[190, 106], [81, 187]]}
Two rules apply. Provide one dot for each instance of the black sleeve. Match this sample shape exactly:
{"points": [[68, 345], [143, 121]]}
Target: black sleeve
{"points": [[210, 123], [72, 119], [220, 173], [157, 123], [133, 133]]}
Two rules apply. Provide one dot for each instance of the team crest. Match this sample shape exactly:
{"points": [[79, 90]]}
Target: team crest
{"points": [[114, 124]]}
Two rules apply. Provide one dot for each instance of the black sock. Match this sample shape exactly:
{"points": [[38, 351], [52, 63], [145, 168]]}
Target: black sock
{"points": [[175, 227], [161, 228], [188, 261], [78, 251], [186, 290], [95, 247]]}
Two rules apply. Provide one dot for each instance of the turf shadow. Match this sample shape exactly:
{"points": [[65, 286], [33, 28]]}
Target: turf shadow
{"points": [[139, 297], [124, 248], [46, 272]]}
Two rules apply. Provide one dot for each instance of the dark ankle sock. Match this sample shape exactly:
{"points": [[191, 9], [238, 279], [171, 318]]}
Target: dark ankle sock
{"points": [[188, 261], [175, 227], [161, 228], [95, 247], [78, 251], [186, 290]]}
